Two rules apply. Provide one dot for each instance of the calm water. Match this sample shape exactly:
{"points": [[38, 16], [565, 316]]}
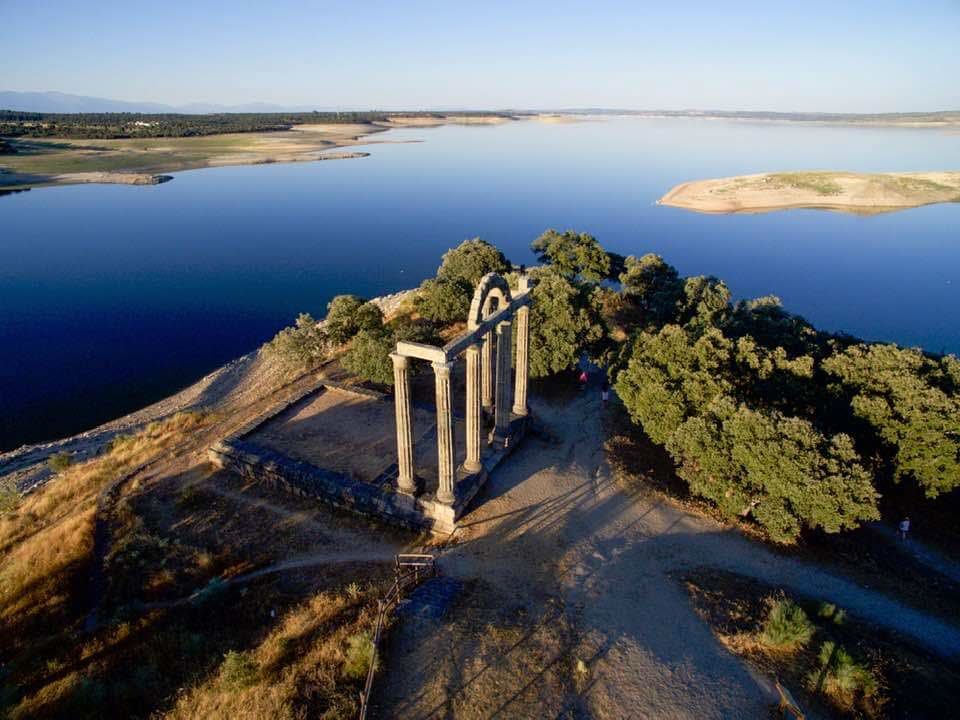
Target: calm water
{"points": [[112, 297]]}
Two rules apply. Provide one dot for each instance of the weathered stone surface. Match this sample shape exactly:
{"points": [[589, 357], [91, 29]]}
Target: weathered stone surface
{"points": [[406, 481]]}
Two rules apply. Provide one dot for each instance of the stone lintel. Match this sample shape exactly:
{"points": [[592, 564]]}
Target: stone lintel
{"points": [[460, 343], [421, 351]]}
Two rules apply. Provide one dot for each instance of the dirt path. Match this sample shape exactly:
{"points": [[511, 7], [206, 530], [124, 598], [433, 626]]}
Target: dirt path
{"points": [[918, 550], [554, 531]]}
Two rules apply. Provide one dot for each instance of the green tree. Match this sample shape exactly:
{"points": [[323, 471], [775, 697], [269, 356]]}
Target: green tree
{"points": [[467, 263], [912, 404], [369, 356], [770, 325], [670, 377], [443, 301], [446, 298], [304, 345], [420, 330], [653, 287], [573, 255], [563, 323], [777, 469], [705, 303], [349, 314]]}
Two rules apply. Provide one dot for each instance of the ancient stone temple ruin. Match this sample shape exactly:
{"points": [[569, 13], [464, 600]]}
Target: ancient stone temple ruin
{"points": [[489, 389], [345, 445]]}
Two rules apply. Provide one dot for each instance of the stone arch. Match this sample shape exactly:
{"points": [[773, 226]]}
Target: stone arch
{"points": [[492, 286]]}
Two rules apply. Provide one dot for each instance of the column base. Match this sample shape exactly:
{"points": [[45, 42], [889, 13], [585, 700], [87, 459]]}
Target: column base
{"points": [[471, 468], [521, 411], [445, 499], [407, 489]]}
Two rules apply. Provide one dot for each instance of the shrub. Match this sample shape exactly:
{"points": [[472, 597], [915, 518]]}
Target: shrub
{"points": [[349, 314], [369, 357], [238, 670], [831, 612], [360, 653], [420, 330], [58, 462], [786, 626], [305, 344], [842, 676], [443, 301]]}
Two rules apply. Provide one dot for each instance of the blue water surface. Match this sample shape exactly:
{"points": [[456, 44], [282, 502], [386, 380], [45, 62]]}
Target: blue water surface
{"points": [[112, 297]]}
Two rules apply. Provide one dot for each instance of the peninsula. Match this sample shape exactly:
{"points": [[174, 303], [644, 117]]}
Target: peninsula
{"points": [[38, 149], [859, 193]]}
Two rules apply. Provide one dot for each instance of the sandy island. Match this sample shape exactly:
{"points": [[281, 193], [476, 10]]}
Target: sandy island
{"points": [[859, 193]]}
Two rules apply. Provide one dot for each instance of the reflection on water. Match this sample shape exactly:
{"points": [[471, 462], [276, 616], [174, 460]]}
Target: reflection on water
{"points": [[113, 296]]}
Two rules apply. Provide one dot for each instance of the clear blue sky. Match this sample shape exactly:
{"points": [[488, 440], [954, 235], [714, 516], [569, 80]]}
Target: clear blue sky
{"points": [[850, 56]]}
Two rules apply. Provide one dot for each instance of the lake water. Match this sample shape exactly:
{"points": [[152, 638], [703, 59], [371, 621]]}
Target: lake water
{"points": [[112, 296]]}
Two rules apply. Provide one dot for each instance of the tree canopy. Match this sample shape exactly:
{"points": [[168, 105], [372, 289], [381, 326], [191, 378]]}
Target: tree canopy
{"points": [[777, 469], [446, 298], [369, 356], [305, 344], [470, 261], [769, 418], [349, 314], [573, 255], [563, 322], [912, 404]]}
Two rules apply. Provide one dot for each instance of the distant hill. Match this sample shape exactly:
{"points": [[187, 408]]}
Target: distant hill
{"points": [[58, 102]]}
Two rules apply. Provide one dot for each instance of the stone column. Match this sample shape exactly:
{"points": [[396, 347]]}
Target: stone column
{"points": [[472, 463], [441, 372], [502, 417], [401, 397], [522, 368], [486, 364]]}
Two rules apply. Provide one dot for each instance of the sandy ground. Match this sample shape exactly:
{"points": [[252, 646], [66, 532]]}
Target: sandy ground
{"points": [[346, 433], [421, 121], [581, 570], [111, 178], [860, 193]]}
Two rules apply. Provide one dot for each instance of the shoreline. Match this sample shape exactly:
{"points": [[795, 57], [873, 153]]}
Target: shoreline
{"points": [[151, 161], [52, 162], [849, 192], [236, 381]]}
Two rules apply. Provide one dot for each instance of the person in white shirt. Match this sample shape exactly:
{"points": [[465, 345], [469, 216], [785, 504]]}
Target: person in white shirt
{"points": [[904, 528]]}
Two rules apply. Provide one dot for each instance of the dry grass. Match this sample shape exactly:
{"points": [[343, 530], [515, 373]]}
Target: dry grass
{"points": [[297, 670], [849, 668], [46, 545], [47, 540]]}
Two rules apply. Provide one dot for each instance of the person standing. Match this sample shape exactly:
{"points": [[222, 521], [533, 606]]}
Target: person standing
{"points": [[605, 393], [904, 528], [583, 379]]}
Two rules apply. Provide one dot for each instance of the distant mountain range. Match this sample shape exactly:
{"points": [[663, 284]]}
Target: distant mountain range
{"points": [[58, 102]]}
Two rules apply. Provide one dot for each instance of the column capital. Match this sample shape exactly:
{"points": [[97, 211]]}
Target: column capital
{"points": [[473, 349], [442, 368], [400, 361], [503, 326]]}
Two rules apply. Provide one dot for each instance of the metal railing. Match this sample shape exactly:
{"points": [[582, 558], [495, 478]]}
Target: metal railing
{"points": [[410, 570]]}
